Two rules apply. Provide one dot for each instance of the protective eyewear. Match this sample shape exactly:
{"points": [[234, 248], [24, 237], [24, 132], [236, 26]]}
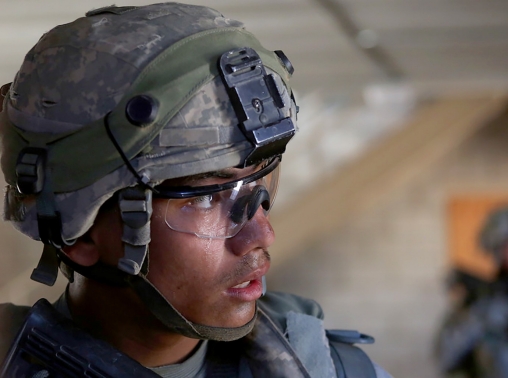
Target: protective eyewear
{"points": [[220, 211]]}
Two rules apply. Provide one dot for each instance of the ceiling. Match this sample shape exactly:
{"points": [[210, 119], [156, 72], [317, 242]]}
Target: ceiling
{"points": [[436, 45]]}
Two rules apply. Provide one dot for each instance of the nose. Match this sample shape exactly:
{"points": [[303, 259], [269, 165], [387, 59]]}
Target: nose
{"points": [[256, 234]]}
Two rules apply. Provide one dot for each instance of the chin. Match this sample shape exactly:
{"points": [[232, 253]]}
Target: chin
{"points": [[233, 318]]}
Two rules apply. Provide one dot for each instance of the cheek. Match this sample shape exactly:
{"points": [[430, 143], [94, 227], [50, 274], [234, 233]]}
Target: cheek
{"points": [[179, 260], [107, 233]]}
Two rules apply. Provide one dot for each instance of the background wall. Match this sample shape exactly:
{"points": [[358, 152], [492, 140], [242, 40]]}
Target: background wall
{"points": [[383, 272]]}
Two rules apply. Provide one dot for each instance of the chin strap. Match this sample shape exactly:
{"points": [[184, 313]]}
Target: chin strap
{"points": [[156, 303], [174, 320]]}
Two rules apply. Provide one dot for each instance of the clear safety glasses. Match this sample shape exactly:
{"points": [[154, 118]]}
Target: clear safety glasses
{"points": [[220, 211]]}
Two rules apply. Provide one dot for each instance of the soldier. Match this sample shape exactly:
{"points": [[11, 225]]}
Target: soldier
{"points": [[473, 340], [142, 146]]}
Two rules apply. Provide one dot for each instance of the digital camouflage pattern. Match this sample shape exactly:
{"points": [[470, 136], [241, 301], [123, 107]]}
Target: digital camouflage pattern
{"points": [[79, 72], [271, 354]]}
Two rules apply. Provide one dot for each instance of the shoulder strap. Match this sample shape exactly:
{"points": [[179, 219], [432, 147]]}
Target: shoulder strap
{"points": [[11, 320], [48, 344], [349, 360], [222, 359]]}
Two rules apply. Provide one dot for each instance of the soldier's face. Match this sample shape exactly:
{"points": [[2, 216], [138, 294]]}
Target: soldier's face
{"points": [[213, 282]]}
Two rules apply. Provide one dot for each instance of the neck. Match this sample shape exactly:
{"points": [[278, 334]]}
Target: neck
{"points": [[118, 316]]}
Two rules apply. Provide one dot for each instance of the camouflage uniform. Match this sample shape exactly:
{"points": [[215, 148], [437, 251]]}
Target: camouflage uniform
{"points": [[270, 350]]}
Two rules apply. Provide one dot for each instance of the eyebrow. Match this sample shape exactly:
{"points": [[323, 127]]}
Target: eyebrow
{"points": [[215, 174], [222, 173]]}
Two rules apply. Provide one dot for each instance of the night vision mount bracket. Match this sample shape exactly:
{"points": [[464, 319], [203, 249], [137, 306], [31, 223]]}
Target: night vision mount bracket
{"points": [[257, 102]]}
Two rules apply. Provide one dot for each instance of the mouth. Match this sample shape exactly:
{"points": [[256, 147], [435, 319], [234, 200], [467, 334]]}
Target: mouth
{"points": [[251, 286], [247, 291], [254, 275]]}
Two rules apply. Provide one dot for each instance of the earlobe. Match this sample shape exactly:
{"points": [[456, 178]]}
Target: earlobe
{"points": [[84, 252]]}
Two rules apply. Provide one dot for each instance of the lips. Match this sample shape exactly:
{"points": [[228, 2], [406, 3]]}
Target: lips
{"points": [[253, 275], [250, 287]]}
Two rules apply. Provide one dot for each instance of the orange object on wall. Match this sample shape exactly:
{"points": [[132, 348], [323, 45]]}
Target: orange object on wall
{"points": [[466, 216]]}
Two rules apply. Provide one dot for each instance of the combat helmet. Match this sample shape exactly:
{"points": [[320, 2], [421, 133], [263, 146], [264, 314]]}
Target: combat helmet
{"points": [[493, 237], [118, 101]]}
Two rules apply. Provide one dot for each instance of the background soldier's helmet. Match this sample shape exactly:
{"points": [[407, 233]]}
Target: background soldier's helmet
{"points": [[494, 233], [128, 97]]}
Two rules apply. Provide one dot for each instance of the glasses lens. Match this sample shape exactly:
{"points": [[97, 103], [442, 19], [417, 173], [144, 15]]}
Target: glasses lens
{"points": [[222, 214]]}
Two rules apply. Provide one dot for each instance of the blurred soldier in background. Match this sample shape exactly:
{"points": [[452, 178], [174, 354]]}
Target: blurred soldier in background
{"points": [[142, 146], [473, 341]]}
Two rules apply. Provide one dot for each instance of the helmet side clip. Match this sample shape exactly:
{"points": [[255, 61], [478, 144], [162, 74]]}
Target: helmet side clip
{"points": [[30, 170], [32, 179]]}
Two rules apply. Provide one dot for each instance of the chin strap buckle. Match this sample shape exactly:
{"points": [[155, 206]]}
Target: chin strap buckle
{"points": [[33, 178], [30, 170], [136, 209]]}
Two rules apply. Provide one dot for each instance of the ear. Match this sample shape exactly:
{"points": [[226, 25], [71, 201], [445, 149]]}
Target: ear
{"points": [[83, 252], [3, 93]]}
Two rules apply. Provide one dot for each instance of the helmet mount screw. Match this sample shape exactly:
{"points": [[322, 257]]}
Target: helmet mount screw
{"points": [[256, 103], [141, 110]]}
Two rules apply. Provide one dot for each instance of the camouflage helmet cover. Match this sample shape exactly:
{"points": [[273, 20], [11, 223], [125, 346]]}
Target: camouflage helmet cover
{"points": [[81, 72]]}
